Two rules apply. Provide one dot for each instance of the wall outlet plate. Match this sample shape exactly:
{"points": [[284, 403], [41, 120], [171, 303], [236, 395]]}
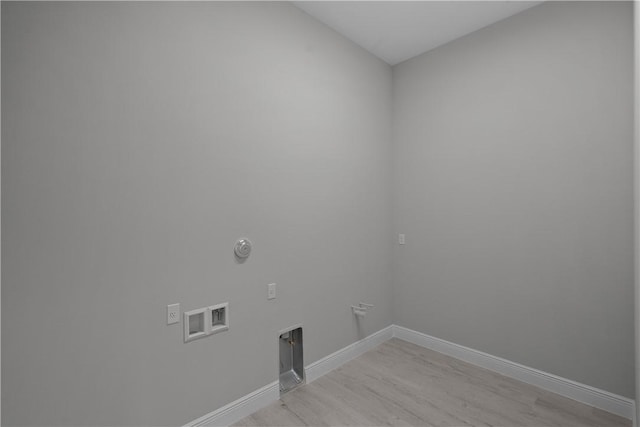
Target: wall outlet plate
{"points": [[271, 291], [173, 314]]}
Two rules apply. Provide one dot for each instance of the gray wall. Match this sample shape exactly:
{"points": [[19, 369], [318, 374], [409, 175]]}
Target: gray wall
{"points": [[140, 140], [636, 180], [124, 127], [513, 184]]}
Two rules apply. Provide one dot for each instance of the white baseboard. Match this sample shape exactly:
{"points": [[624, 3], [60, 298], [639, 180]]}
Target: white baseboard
{"points": [[342, 356], [238, 409], [247, 405], [610, 402], [270, 393]]}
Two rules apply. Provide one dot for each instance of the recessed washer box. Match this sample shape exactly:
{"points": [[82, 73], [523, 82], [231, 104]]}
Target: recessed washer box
{"points": [[218, 318], [291, 359], [196, 324]]}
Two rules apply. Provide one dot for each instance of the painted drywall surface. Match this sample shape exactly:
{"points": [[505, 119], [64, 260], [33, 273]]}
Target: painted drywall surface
{"points": [[513, 184], [140, 140], [0, 230], [636, 180]]}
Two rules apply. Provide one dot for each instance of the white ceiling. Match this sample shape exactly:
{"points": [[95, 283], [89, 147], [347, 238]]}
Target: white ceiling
{"points": [[398, 30]]}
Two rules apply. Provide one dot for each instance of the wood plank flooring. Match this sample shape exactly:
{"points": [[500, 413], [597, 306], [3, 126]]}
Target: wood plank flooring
{"points": [[401, 384]]}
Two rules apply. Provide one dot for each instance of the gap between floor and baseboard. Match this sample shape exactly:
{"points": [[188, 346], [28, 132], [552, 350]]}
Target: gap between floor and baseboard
{"points": [[270, 393]]}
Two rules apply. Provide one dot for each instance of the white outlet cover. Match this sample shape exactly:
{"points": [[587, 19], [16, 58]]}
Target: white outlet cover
{"points": [[271, 291], [173, 314]]}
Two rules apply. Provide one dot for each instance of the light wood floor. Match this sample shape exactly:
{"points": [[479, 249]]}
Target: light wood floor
{"points": [[401, 384]]}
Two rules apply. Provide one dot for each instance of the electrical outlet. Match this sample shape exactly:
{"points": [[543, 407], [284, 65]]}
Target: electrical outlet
{"points": [[271, 291], [173, 314], [401, 239]]}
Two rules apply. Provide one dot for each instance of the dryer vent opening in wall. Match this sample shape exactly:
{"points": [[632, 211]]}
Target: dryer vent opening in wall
{"points": [[291, 360]]}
